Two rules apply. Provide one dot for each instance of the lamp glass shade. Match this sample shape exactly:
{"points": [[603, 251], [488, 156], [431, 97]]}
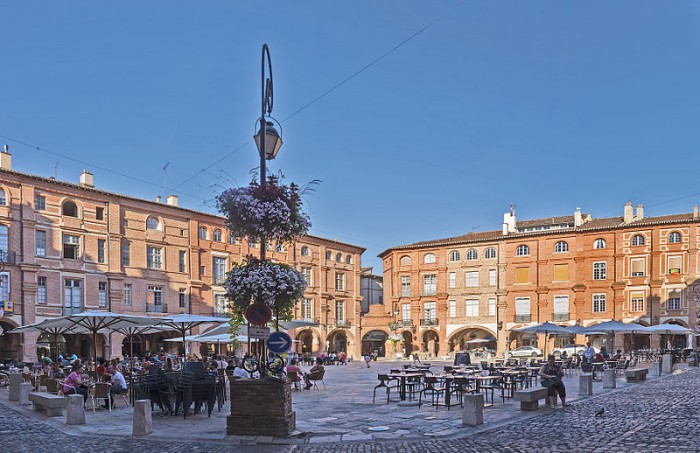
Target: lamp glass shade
{"points": [[273, 141]]}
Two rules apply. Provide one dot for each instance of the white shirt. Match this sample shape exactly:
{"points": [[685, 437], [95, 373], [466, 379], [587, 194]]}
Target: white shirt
{"points": [[118, 380], [241, 373]]}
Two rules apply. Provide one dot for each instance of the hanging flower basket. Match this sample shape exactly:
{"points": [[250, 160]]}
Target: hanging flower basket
{"points": [[276, 285], [271, 211]]}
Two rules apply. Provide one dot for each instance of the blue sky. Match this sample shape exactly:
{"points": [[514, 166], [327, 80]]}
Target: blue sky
{"points": [[547, 105]]}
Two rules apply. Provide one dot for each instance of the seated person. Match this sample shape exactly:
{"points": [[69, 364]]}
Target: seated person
{"points": [[598, 358], [618, 355], [314, 372], [118, 386], [101, 369], [564, 355], [604, 353], [240, 373], [343, 358], [56, 371], [73, 385], [550, 375], [230, 367], [293, 368]]}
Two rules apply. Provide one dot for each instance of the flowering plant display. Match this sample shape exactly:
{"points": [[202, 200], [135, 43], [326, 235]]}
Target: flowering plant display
{"points": [[276, 285], [271, 211]]}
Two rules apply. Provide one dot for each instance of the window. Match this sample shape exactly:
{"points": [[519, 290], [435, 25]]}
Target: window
{"points": [[429, 285], [561, 272], [329, 255], [338, 257], [637, 265], [492, 306], [600, 271], [522, 309], [638, 240], [492, 277], [429, 311], [452, 308], [219, 270], [217, 235], [126, 254], [490, 253], [4, 240], [674, 264], [152, 223], [455, 255], [340, 281], [406, 314], [252, 243], [472, 254], [155, 295], [4, 286], [405, 286], [102, 294], [599, 244], [202, 232], [39, 202], [305, 251], [637, 302], [69, 209], [41, 243], [472, 279], [41, 290], [472, 307], [522, 250], [71, 247], [100, 213], [561, 308], [306, 272], [522, 275], [100, 250], [453, 280], [3, 197], [232, 239], [182, 297], [429, 258], [673, 302], [154, 257], [307, 309], [128, 294], [339, 312], [405, 260], [72, 297], [219, 304], [599, 303], [268, 246], [674, 238], [348, 259], [202, 271], [561, 247], [182, 261]]}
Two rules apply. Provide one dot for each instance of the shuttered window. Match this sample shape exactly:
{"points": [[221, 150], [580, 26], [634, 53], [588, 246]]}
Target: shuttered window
{"points": [[561, 272], [522, 275]]}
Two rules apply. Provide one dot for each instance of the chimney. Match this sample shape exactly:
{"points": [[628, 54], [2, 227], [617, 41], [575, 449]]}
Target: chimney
{"points": [[696, 214], [629, 214], [86, 179], [509, 221], [6, 158], [158, 199], [640, 212], [172, 200], [578, 219]]}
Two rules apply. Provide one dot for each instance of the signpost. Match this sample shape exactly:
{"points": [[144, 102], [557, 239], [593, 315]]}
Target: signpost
{"points": [[279, 342], [258, 314], [257, 332]]}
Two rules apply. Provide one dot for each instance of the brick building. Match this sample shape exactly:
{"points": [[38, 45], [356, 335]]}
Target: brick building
{"points": [[66, 248]]}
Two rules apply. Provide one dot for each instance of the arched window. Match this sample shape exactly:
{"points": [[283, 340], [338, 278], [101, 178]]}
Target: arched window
{"points": [[329, 255], [202, 232], [70, 209], [305, 251], [348, 259], [338, 257], [522, 250], [561, 247], [674, 238], [638, 240], [3, 198], [599, 244], [405, 260], [490, 253], [429, 258], [472, 254], [152, 223], [217, 235], [455, 255]]}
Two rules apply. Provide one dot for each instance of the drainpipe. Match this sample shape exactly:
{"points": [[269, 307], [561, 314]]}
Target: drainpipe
{"points": [[21, 271]]}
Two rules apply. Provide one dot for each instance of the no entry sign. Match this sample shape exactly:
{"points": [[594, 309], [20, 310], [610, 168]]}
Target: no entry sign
{"points": [[258, 314]]}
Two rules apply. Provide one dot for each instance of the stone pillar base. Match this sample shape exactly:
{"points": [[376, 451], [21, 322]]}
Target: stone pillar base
{"points": [[473, 414], [609, 379], [261, 407], [585, 384]]}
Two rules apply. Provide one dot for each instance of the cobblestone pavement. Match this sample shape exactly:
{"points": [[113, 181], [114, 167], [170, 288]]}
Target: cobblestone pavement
{"points": [[658, 416]]}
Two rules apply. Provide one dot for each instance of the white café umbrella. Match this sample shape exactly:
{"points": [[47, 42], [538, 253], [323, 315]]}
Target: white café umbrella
{"points": [[547, 328], [131, 330], [668, 329], [184, 322], [478, 340], [613, 327], [49, 328]]}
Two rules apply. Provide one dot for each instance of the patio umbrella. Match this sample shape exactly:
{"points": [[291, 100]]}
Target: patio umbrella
{"points": [[132, 330], [296, 324], [478, 340], [220, 339], [668, 329], [49, 328], [184, 322], [547, 328], [613, 327]]}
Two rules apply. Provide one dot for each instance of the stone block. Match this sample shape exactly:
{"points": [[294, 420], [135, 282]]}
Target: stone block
{"points": [[473, 414], [666, 364], [143, 420], [655, 369], [15, 381], [261, 407], [24, 389], [585, 384], [75, 410], [609, 379]]}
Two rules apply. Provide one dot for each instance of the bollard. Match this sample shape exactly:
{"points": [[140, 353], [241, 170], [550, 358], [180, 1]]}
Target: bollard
{"points": [[585, 384], [15, 381], [609, 380], [655, 369], [143, 422], [75, 410], [667, 364], [473, 414], [24, 389]]}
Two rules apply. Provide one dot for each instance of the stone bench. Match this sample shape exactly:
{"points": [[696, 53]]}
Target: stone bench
{"points": [[46, 402], [530, 398], [636, 374]]}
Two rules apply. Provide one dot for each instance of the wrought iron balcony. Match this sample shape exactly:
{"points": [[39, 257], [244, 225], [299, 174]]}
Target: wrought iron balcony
{"points": [[156, 308], [404, 324], [7, 257], [67, 311], [341, 324], [429, 322], [522, 318], [560, 317]]}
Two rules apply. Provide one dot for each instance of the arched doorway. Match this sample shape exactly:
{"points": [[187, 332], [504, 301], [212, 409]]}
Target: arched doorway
{"points": [[472, 338], [373, 342], [407, 343], [50, 345], [431, 343], [306, 342], [337, 341], [131, 343], [9, 343]]}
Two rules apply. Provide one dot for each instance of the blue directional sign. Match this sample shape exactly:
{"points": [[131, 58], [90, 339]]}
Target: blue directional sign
{"points": [[279, 342]]}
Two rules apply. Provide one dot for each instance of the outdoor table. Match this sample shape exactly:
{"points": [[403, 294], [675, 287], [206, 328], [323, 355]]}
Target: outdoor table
{"points": [[402, 377], [448, 379]]}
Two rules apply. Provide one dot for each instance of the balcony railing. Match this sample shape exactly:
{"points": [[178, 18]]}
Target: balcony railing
{"points": [[67, 311], [7, 257], [219, 280], [522, 318], [341, 324], [156, 308], [560, 317], [404, 324], [429, 322]]}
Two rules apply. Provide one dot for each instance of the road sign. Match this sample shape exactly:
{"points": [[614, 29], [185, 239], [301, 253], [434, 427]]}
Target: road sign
{"points": [[258, 314], [279, 342], [260, 333]]}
